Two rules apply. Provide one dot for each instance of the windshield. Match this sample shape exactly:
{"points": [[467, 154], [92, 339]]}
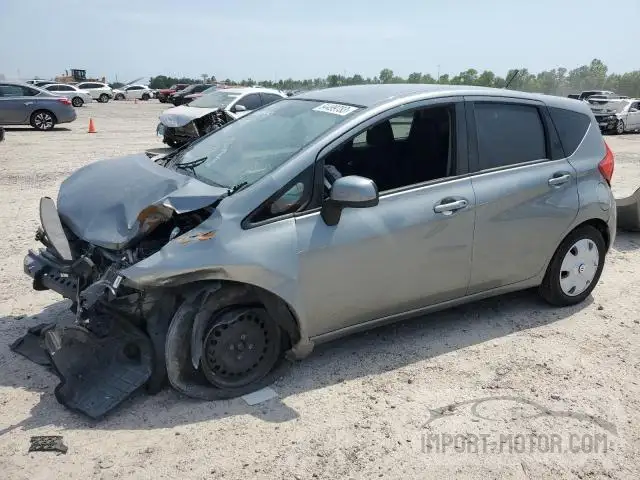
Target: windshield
{"points": [[209, 90], [217, 99], [249, 148]]}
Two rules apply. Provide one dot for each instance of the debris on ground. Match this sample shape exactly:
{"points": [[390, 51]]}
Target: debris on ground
{"points": [[260, 396], [47, 443]]}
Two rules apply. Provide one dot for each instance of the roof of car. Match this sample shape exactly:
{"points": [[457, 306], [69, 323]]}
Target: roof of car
{"points": [[379, 94], [251, 89]]}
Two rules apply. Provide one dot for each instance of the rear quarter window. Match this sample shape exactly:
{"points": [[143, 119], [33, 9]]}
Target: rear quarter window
{"points": [[571, 127]]}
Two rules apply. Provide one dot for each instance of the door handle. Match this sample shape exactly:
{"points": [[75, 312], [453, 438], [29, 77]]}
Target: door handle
{"points": [[28, 103], [450, 206], [559, 180]]}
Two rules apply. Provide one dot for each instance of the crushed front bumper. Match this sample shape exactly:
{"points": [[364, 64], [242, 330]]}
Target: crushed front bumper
{"points": [[102, 357]]}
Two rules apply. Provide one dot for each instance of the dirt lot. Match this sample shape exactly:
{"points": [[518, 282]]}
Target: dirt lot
{"points": [[493, 374]]}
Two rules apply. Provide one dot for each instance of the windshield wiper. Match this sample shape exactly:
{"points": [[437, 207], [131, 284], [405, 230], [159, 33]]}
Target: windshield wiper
{"points": [[171, 155], [191, 166]]}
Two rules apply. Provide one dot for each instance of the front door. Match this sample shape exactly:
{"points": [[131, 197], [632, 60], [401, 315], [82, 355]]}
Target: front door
{"points": [[527, 197], [411, 250]]}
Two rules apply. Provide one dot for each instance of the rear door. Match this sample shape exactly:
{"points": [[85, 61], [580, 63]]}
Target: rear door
{"points": [[526, 192]]}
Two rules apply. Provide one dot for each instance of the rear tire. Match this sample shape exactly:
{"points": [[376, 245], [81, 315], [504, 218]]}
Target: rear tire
{"points": [[575, 268], [77, 102], [43, 120]]}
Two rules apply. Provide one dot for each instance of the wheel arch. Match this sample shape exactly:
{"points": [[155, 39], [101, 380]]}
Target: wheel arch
{"points": [[55, 117]]}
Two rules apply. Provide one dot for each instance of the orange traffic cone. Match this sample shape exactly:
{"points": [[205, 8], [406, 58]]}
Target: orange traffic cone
{"points": [[92, 127]]}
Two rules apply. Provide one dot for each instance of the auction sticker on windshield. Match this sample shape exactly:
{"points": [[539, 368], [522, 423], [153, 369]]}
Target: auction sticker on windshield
{"points": [[335, 108]]}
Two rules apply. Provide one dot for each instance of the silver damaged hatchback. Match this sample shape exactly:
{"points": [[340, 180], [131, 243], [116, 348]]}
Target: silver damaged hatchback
{"points": [[309, 219]]}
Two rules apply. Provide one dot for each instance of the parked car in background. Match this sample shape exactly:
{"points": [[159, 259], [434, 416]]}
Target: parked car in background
{"points": [[180, 125], [616, 115], [315, 217], [192, 96], [164, 93], [180, 97], [78, 97], [99, 91], [23, 104], [133, 92]]}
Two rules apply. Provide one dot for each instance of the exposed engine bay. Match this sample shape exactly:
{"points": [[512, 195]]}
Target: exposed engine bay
{"points": [[178, 136]]}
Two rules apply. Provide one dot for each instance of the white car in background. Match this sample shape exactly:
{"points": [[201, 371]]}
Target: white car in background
{"points": [[180, 125], [78, 97], [99, 91], [133, 92]]}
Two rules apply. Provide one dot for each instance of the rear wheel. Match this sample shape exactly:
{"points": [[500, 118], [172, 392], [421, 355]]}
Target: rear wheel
{"points": [[43, 120], [575, 268], [77, 102]]}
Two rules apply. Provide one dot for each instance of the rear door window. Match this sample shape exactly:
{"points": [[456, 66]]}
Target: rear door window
{"points": [[571, 127], [508, 134]]}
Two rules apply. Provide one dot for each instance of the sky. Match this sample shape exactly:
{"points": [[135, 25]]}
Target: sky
{"points": [[266, 40]]}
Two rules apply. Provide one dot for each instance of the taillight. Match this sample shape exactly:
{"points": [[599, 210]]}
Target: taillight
{"points": [[64, 100], [606, 164]]}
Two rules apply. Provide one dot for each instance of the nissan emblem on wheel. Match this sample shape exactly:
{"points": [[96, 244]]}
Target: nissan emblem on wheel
{"points": [[307, 218]]}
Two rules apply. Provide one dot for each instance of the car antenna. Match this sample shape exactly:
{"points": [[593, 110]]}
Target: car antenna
{"points": [[515, 74]]}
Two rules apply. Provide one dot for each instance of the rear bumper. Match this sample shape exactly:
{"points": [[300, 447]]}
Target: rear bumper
{"points": [[66, 116]]}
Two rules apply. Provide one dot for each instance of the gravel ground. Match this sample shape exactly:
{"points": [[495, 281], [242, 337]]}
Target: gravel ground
{"points": [[540, 392]]}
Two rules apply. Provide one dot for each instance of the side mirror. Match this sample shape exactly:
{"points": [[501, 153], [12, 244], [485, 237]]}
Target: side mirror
{"points": [[349, 192], [239, 108]]}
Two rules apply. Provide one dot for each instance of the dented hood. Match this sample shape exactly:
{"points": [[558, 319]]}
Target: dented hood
{"points": [[101, 202], [180, 116]]}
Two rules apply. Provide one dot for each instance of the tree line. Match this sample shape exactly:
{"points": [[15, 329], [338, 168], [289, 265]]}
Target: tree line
{"points": [[558, 81]]}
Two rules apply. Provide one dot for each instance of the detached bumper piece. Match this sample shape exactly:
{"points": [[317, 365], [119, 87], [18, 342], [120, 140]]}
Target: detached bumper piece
{"points": [[97, 373], [628, 212]]}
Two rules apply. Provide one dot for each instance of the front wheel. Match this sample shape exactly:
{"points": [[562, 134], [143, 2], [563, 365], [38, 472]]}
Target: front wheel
{"points": [[119, 96], [240, 347], [77, 102], [43, 120], [223, 344], [620, 127], [145, 96], [575, 268], [104, 98]]}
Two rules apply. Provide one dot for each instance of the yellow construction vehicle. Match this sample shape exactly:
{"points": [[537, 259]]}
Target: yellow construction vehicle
{"points": [[76, 76]]}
